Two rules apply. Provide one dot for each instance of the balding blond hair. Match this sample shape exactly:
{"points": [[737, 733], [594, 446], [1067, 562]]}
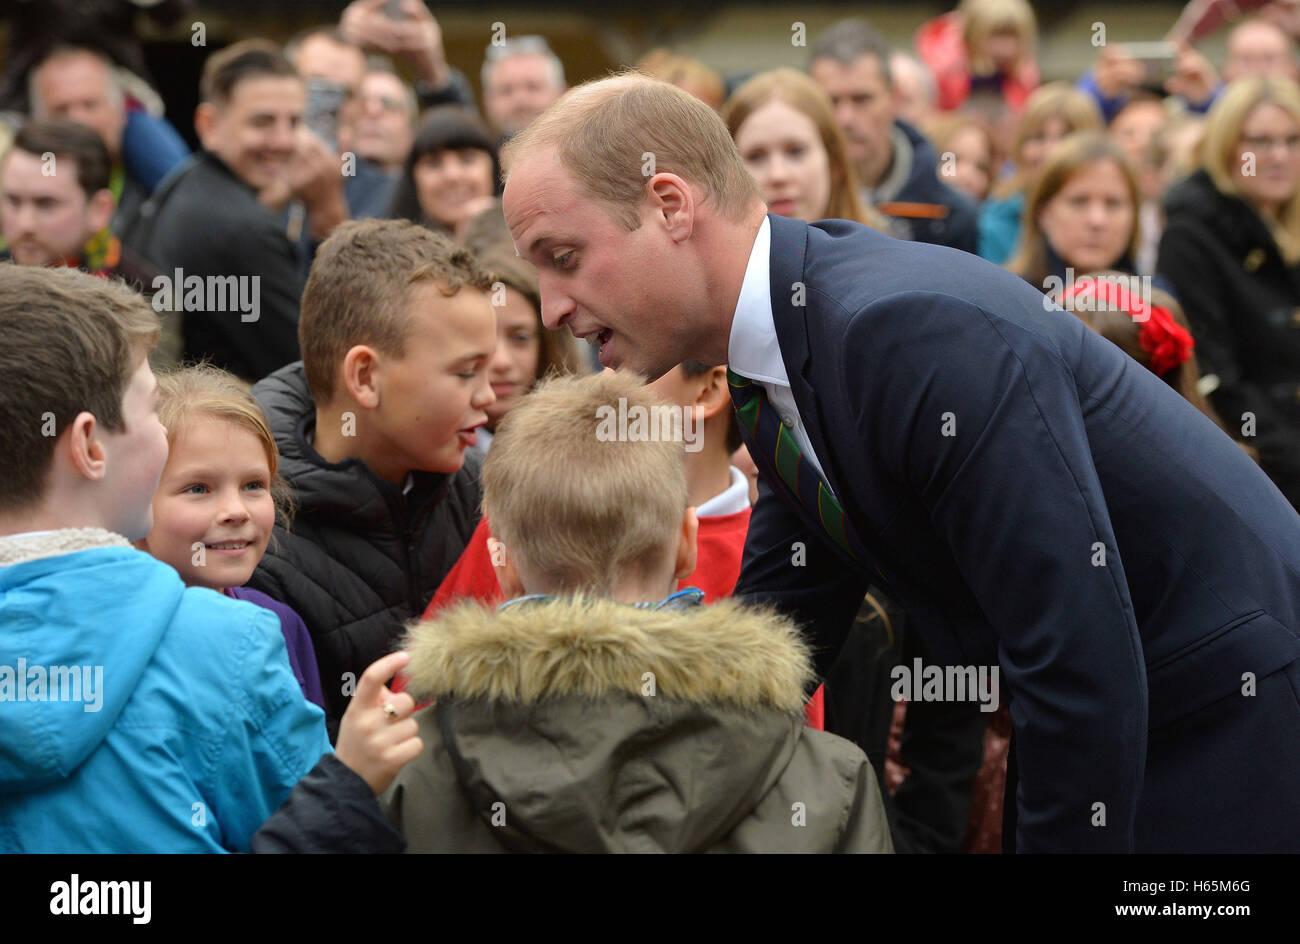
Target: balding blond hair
{"points": [[613, 134], [582, 511]]}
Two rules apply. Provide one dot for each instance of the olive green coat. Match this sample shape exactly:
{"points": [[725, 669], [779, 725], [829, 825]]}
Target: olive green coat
{"points": [[593, 726]]}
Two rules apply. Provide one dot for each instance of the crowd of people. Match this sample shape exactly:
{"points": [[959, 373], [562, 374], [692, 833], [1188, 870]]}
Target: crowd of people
{"points": [[330, 284]]}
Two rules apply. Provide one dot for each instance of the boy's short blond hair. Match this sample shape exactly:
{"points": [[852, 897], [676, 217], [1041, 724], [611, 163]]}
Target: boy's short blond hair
{"points": [[582, 514], [358, 291], [609, 132]]}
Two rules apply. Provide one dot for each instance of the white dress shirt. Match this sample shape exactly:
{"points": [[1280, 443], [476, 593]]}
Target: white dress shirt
{"points": [[753, 350]]}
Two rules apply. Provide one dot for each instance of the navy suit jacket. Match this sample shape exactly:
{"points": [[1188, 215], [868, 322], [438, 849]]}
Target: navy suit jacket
{"points": [[1036, 499]]}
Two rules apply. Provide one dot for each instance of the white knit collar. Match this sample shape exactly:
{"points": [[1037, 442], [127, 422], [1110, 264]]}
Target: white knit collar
{"points": [[34, 545], [731, 500]]}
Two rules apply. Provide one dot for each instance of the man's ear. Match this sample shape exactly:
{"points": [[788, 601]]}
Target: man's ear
{"points": [[99, 210], [504, 566], [673, 204], [361, 375], [687, 552], [205, 119], [84, 450]]}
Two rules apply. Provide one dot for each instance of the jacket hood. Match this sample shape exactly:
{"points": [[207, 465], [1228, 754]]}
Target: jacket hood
{"points": [[606, 727], [81, 615]]}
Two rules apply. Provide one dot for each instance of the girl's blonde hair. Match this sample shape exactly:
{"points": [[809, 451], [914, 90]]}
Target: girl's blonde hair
{"points": [[1075, 153], [1054, 100], [1217, 151], [982, 18], [204, 391], [800, 92]]}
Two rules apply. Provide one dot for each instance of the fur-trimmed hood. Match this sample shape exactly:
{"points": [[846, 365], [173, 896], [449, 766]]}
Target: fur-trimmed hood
{"points": [[724, 654], [593, 726]]}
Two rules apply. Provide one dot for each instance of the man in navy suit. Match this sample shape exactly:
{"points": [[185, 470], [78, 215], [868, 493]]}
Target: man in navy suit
{"points": [[1035, 499]]}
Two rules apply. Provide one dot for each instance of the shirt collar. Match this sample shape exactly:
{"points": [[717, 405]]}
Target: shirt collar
{"points": [[731, 500], [682, 599], [753, 350]]}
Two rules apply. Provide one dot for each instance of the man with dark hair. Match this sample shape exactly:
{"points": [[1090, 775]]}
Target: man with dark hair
{"points": [[896, 165], [219, 218], [57, 206], [56, 196]]}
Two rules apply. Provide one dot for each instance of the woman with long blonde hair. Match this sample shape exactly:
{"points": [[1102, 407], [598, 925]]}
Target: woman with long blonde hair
{"points": [[1231, 250], [785, 130]]}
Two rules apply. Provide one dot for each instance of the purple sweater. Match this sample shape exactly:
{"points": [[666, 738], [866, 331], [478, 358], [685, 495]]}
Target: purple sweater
{"points": [[302, 657]]}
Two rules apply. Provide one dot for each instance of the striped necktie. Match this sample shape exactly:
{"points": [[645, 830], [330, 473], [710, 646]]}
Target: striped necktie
{"points": [[776, 442]]}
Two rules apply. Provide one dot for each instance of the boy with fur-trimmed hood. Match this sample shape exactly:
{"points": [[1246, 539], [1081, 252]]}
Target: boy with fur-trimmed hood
{"points": [[578, 717]]}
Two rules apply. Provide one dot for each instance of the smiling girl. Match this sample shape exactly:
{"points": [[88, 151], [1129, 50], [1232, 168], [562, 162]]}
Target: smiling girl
{"points": [[217, 498]]}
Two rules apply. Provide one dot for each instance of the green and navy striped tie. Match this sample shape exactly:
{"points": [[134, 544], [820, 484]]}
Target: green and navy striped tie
{"points": [[775, 440]]}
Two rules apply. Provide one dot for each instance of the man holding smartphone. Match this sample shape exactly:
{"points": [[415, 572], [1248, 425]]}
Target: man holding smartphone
{"points": [[406, 30]]}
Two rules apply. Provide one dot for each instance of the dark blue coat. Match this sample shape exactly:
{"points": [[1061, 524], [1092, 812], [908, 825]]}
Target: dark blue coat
{"points": [[926, 209], [1126, 677]]}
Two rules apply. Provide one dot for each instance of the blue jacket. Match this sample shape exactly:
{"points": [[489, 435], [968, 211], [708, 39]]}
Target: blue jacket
{"points": [[999, 227], [1037, 500], [196, 730]]}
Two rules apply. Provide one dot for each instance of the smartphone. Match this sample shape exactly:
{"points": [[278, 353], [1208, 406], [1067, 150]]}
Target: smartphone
{"points": [[324, 102], [1157, 59], [394, 11]]}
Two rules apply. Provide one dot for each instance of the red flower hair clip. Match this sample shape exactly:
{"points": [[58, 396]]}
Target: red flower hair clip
{"points": [[1164, 339]]}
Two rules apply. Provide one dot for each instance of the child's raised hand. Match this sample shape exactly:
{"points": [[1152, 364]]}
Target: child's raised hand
{"points": [[377, 736]]}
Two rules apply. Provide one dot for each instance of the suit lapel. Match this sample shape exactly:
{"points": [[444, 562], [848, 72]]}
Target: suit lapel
{"points": [[786, 277]]}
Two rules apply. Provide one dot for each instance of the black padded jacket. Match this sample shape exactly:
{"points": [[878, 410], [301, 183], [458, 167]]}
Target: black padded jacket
{"points": [[361, 558]]}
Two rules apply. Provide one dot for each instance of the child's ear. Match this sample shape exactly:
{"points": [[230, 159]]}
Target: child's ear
{"points": [[714, 396], [361, 375], [507, 576], [687, 553], [84, 450]]}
